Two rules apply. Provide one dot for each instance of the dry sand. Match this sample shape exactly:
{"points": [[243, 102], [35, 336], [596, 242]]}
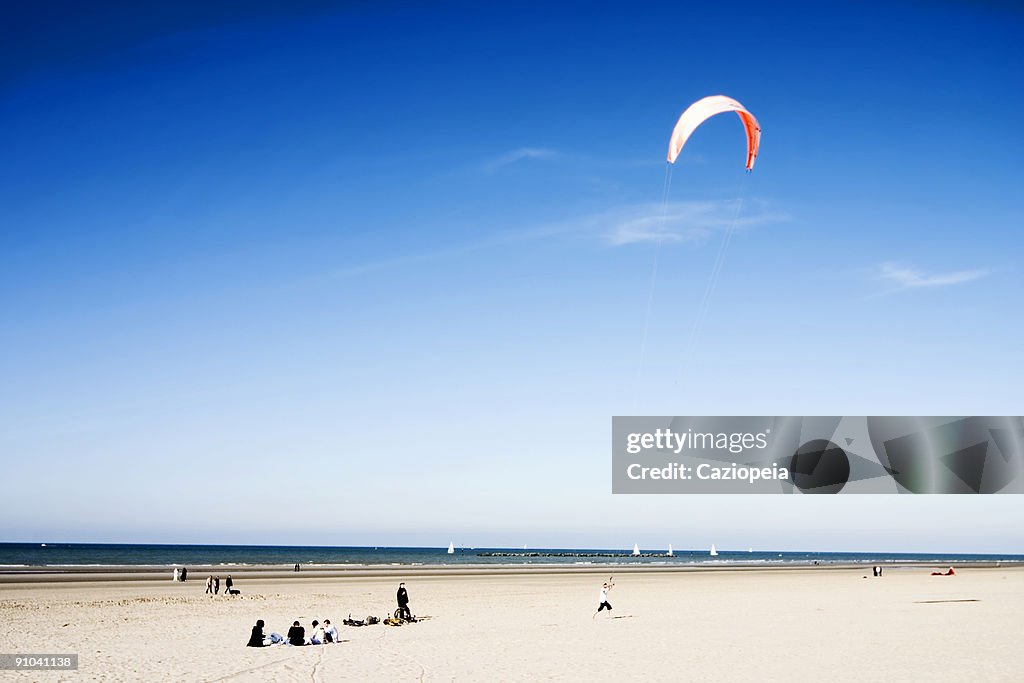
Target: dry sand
{"points": [[784, 625]]}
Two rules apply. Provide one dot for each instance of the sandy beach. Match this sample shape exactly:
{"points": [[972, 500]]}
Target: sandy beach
{"points": [[790, 624]]}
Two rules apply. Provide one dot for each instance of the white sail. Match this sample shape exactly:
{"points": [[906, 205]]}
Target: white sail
{"points": [[669, 553], [636, 549], [750, 550], [713, 551], [451, 548]]}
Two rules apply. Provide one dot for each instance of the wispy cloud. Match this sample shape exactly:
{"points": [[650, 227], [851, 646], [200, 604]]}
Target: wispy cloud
{"points": [[517, 155], [907, 277], [630, 224], [684, 221]]}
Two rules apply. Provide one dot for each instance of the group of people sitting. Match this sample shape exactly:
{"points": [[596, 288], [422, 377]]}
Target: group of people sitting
{"points": [[320, 634]]}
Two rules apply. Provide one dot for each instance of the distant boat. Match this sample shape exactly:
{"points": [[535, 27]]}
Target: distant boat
{"points": [[714, 553], [524, 546], [669, 553], [636, 549], [42, 545], [750, 550], [451, 548]]}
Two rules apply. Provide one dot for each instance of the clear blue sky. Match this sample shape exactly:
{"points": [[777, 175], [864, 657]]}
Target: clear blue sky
{"points": [[369, 273]]}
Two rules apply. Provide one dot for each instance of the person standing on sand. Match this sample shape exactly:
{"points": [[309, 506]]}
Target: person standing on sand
{"points": [[209, 584], [403, 602], [228, 583], [184, 574], [604, 597], [216, 585]]}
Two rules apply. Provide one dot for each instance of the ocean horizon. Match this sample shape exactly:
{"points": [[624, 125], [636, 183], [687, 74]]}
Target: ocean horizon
{"points": [[76, 555]]}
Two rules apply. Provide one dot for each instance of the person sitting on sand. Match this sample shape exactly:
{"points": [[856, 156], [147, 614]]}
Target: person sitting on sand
{"points": [[296, 635], [316, 636], [256, 639], [604, 598], [330, 632]]}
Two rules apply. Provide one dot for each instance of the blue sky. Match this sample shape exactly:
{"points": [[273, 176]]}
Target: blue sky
{"points": [[385, 269]]}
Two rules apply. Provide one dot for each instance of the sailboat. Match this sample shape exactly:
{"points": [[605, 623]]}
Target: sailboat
{"points": [[714, 553], [451, 548], [669, 553], [636, 550]]}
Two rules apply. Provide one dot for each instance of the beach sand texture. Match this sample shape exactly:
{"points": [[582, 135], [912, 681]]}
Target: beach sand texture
{"points": [[810, 624]]}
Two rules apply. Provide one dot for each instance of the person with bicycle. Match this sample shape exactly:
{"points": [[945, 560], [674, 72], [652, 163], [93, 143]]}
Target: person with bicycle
{"points": [[403, 603]]}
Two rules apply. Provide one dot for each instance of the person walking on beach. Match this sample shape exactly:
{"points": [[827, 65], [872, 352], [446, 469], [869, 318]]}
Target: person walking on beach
{"points": [[184, 574], [403, 603], [603, 599], [209, 584], [228, 583], [175, 579], [216, 585]]}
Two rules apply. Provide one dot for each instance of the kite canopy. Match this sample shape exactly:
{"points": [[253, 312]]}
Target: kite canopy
{"points": [[700, 111]]}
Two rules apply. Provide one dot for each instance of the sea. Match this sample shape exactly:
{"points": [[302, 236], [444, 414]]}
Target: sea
{"points": [[74, 556]]}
